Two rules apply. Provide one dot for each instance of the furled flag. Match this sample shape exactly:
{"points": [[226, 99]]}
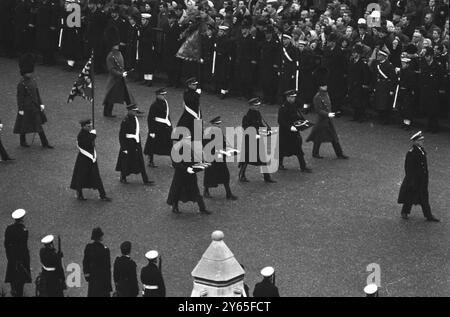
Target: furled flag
{"points": [[83, 86]]}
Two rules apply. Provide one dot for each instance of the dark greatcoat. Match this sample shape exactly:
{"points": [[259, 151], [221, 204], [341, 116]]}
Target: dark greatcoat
{"points": [[253, 119], [323, 131], [125, 277], [147, 57], [161, 144], [207, 53], [288, 71], [86, 173], [17, 254], [290, 142], [151, 276], [97, 263], [218, 172], [307, 85], [358, 76], [265, 288], [24, 26], [406, 92], [245, 53], [336, 63], [47, 16], [414, 189], [192, 100], [171, 46], [270, 56], [222, 72], [132, 40], [71, 41], [133, 161], [29, 101], [430, 82], [54, 281], [116, 87], [383, 86]]}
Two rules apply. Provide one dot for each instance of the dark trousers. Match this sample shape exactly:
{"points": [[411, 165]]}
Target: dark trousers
{"points": [[101, 192], [143, 174], [42, 136], [199, 200], [17, 289], [3, 154], [336, 146], [227, 189], [426, 209], [108, 109], [301, 161]]}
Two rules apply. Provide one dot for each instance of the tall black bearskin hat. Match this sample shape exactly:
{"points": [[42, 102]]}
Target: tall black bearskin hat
{"points": [[26, 64], [321, 76], [112, 37]]}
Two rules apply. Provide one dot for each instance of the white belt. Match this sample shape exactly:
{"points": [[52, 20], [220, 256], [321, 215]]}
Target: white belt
{"points": [[287, 55], [192, 112], [132, 136], [89, 155], [152, 287], [163, 120], [49, 269], [381, 72]]}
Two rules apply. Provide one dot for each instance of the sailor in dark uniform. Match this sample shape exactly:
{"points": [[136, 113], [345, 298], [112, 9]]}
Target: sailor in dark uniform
{"points": [[254, 120], [414, 189], [151, 276], [159, 140], [269, 65], [3, 154], [146, 50], [97, 266], [192, 112], [86, 173], [131, 160], [222, 65], [54, 282], [290, 139], [17, 254], [406, 93], [218, 172], [266, 288], [125, 275], [289, 61]]}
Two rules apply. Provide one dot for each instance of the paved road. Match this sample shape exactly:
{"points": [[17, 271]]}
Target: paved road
{"points": [[320, 231]]}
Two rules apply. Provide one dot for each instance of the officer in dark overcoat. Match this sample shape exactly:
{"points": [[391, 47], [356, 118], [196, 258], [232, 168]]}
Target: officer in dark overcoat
{"points": [[159, 140], [3, 154], [290, 139], [151, 276], [47, 25], [358, 84], [131, 160], [222, 67], [86, 173], [146, 48], [172, 64], [192, 112], [52, 274], [125, 274], [17, 254], [406, 93], [97, 266], [207, 43], [31, 116], [289, 62], [266, 288], [96, 21], [121, 25], [307, 82], [414, 188], [71, 45], [132, 46], [270, 60], [24, 26]]}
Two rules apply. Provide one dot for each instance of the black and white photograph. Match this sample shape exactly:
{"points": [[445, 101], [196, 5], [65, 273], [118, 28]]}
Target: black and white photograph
{"points": [[229, 149]]}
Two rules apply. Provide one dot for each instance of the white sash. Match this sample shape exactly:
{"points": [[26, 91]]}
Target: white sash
{"points": [[137, 45], [49, 269], [151, 287], [381, 72], [192, 112], [166, 119], [134, 136], [93, 158], [287, 55]]}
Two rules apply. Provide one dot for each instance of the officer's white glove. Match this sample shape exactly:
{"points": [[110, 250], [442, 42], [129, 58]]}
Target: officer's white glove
{"points": [[190, 170], [219, 155], [391, 93], [126, 152], [305, 106], [202, 60], [152, 135], [258, 136], [293, 129], [331, 115], [1, 126], [199, 91], [397, 70], [124, 74], [93, 131], [42, 107], [21, 112]]}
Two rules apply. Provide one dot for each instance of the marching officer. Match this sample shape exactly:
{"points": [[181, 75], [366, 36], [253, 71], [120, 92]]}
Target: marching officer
{"points": [[146, 50], [269, 65], [222, 66], [266, 288], [192, 112], [151, 276], [358, 84], [131, 160], [159, 140], [290, 138], [323, 130], [18, 271], [218, 172], [414, 188], [385, 77], [289, 62], [3, 154], [70, 39], [31, 116], [97, 266], [86, 173], [406, 93], [254, 120], [52, 269], [125, 274]]}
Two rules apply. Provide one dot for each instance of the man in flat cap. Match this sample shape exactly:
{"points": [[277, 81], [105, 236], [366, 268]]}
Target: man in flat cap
{"points": [[266, 288], [31, 116], [131, 160], [159, 140], [125, 275], [97, 266], [86, 173], [151, 276], [18, 271], [53, 280], [414, 188]]}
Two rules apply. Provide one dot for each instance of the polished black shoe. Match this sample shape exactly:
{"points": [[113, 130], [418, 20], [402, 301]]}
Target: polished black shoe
{"points": [[405, 216], [306, 170], [433, 219], [105, 198], [205, 211], [317, 156], [282, 168], [149, 183], [269, 180], [124, 181], [24, 145], [110, 116], [343, 157], [81, 198], [48, 146], [175, 210], [231, 197]]}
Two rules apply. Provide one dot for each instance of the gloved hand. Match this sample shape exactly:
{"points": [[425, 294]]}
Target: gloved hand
{"points": [[190, 170], [124, 74], [126, 152], [258, 136], [152, 135], [93, 131], [21, 113], [42, 107], [293, 129], [199, 91], [331, 115]]}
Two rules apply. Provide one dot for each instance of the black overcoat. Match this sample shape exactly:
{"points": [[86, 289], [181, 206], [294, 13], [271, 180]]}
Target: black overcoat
{"points": [[323, 130], [97, 265], [161, 144], [17, 254]]}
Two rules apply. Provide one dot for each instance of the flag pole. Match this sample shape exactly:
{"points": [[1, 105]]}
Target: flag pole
{"points": [[93, 89]]}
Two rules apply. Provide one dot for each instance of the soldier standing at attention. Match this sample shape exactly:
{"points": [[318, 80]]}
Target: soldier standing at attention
{"points": [[52, 270], [125, 277], [151, 276], [266, 288], [16, 248], [414, 189]]}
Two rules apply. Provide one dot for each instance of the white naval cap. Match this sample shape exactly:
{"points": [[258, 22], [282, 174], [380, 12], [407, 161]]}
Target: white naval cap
{"points": [[146, 15], [151, 255], [371, 289], [48, 239], [362, 21], [18, 214], [267, 271]]}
